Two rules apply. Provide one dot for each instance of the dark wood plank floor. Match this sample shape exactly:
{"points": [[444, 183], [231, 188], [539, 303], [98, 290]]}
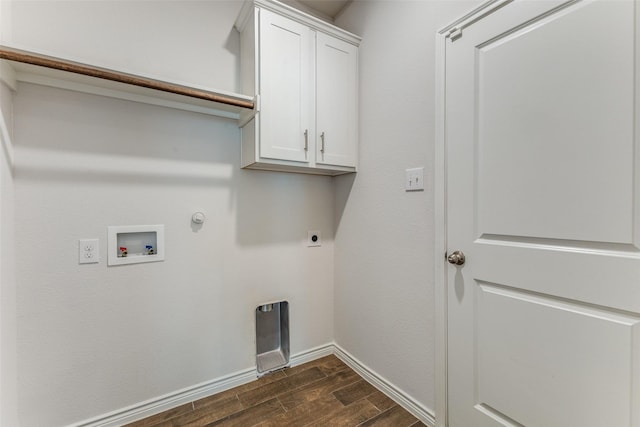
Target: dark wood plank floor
{"points": [[325, 392]]}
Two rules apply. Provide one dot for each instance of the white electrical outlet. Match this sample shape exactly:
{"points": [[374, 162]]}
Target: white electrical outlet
{"points": [[414, 179], [88, 251], [314, 238]]}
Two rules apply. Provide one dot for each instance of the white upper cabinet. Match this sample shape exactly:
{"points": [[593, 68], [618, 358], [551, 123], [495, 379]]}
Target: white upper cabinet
{"points": [[304, 73], [336, 101], [286, 88]]}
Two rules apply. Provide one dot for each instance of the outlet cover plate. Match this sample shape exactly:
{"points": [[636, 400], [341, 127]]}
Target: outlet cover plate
{"points": [[88, 251]]}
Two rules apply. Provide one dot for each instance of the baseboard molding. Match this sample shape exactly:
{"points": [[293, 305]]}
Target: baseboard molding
{"points": [[163, 403], [312, 354], [404, 400]]}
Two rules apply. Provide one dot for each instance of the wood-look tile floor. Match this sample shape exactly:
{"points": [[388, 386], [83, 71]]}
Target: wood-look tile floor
{"points": [[324, 392]]}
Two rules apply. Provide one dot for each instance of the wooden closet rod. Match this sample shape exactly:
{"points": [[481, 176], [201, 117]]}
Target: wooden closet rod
{"points": [[116, 76]]}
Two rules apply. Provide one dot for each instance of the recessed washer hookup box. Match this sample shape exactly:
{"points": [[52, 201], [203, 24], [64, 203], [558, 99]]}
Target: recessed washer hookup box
{"points": [[132, 244]]}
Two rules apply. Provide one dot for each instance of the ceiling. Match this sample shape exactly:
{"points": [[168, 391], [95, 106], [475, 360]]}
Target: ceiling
{"points": [[330, 8]]}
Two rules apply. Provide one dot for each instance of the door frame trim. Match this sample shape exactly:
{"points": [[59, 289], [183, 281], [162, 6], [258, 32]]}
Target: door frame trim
{"points": [[444, 36]]}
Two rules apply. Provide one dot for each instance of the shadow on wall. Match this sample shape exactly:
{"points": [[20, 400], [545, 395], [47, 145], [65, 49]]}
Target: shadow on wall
{"points": [[342, 187], [278, 207], [232, 45], [68, 121], [75, 137], [69, 137]]}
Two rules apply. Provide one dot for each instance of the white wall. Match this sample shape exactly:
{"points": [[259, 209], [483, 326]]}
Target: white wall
{"points": [[5, 22], [8, 320], [384, 259], [92, 338], [8, 351], [189, 41]]}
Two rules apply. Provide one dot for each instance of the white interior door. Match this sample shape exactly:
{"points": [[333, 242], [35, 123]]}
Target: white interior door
{"points": [[542, 151]]}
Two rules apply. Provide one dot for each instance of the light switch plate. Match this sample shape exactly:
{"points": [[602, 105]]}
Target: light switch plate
{"points": [[414, 179]]}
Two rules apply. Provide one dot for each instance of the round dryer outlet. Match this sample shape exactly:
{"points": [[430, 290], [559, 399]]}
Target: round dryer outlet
{"points": [[314, 238]]}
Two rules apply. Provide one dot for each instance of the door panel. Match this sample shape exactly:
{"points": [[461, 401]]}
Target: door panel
{"points": [[541, 347], [554, 99], [542, 197]]}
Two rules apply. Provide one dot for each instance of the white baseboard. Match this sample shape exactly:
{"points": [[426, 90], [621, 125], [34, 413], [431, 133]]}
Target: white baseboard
{"points": [[312, 354], [404, 400], [168, 401], [163, 403]]}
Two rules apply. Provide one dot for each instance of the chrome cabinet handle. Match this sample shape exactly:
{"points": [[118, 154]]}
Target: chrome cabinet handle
{"points": [[306, 140], [456, 258], [322, 139]]}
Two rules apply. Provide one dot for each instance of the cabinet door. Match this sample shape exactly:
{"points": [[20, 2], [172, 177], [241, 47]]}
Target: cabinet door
{"points": [[286, 73], [337, 102]]}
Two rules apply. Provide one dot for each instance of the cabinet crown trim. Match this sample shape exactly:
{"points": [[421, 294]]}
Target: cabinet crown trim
{"points": [[296, 15]]}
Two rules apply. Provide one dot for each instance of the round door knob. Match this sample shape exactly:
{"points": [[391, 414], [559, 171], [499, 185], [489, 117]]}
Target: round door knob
{"points": [[456, 258]]}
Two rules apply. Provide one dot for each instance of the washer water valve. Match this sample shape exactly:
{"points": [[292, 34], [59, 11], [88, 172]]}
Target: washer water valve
{"points": [[123, 251], [198, 218]]}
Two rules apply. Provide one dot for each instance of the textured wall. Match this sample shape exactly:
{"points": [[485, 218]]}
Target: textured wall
{"points": [[92, 338], [8, 343], [189, 41], [384, 285]]}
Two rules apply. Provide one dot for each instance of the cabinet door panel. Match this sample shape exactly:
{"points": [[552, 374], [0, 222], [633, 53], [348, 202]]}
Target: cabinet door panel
{"points": [[337, 89], [286, 58]]}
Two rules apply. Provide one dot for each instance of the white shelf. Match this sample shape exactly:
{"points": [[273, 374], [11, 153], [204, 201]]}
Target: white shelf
{"points": [[23, 66]]}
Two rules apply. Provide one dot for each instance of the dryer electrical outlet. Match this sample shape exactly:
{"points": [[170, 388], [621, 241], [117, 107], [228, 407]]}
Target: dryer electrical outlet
{"points": [[314, 238]]}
